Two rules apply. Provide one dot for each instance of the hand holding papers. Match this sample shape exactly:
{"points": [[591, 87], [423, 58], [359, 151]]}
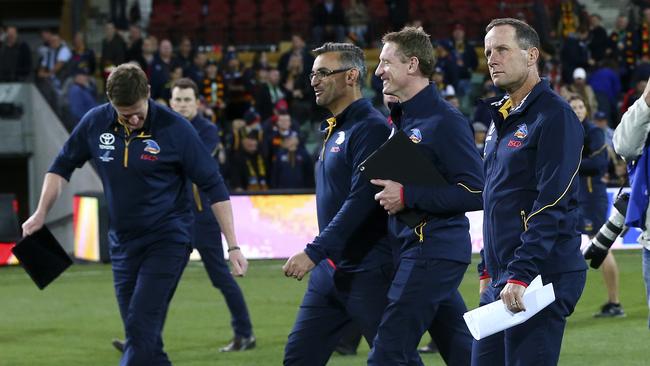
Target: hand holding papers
{"points": [[495, 317]]}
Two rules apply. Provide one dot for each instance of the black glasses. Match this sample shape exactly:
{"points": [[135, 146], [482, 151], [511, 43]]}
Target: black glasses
{"points": [[320, 74]]}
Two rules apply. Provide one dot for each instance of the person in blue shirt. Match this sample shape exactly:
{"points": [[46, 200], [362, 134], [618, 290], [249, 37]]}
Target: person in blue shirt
{"points": [[532, 158], [593, 202], [433, 256], [350, 260], [145, 155], [206, 237], [81, 96]]}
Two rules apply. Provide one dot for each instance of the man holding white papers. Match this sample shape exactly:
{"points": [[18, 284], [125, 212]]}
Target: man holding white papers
{"points": [[532, 156]]}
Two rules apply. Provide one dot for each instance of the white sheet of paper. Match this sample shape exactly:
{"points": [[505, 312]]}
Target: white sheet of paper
{"points": [[495, 317]]}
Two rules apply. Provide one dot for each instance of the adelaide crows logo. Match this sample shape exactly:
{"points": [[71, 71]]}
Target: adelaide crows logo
{"points": [[152, 147], [522, 131], [416, 135]]}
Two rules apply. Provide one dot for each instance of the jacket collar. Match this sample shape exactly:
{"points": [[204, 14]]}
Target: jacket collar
{"points": [[422, 104], [350, 113], [147, 127], [541, 87]]}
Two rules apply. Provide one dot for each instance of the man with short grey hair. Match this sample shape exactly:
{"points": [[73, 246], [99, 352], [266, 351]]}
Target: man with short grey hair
{"points": [[351, 256]]}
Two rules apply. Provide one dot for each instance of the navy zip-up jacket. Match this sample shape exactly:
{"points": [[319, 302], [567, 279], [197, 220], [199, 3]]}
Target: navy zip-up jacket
{"points": [[531, 189], [443, 134], [352, 224], [145, 173], [593, 166]]}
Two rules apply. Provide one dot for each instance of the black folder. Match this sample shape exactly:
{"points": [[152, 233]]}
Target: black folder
{"points": [[42, 257], [401, 160]]}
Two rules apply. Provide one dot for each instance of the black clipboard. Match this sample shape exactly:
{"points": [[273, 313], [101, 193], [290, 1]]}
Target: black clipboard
{"points": [[400, 160], [42, 257]]}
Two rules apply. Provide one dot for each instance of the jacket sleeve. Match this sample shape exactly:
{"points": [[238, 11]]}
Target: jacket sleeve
{"points": [[210, 138], [459, 162], [360, 201], [199, 165], [558, 160], [631, 134], [596, 160], [75, 151]]}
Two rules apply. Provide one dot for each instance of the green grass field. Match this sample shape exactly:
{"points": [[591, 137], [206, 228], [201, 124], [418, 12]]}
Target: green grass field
{"points": [[73, 321]]}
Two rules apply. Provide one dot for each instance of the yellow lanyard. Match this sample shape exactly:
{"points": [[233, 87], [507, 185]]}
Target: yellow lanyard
{"points": [[331, 123]]}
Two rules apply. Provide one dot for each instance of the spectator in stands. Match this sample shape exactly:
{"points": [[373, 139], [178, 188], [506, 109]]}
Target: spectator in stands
{"points": [[598, 40], [481, 111], [134, 52], [113, 49], [249, 125], [15, 57], [643, 35], [149, 49], [399, 14], [446, 60], [176, 73], [82, 56], [466, 59], [212, 90], [601, 121], [574, 53], [642, 70], [237, 96], [581, 88], [439, 80], [118, 13], [299, 93], [480, 132], [82, 95], [298, 50], [185, 55], [44, 48], [623, 45], [567, 15], [280, 129], [606, 85], [328, 22], [357, 17], [196, 71], [269, 94], [161, 67], [54, 62], [248, 170], [292, 165]]}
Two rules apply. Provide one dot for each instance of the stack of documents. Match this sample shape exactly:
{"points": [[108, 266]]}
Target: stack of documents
{"points": [[495, 317]]}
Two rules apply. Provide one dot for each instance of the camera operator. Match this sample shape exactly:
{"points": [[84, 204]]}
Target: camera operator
{"points": [[631, 142]]}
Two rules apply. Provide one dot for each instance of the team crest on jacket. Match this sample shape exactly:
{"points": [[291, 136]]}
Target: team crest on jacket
{"points": [[152, 147], [340, 138], [522, 131], [416, 135]]}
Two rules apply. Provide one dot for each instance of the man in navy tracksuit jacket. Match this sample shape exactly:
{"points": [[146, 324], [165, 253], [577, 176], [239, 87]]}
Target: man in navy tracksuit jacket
{"points": [[206, 234], [351, 256], [532, 157], [435, 254], [144, 154]]}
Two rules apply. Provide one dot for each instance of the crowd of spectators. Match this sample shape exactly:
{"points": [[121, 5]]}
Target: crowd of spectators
{"points": [[266, 111]]}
